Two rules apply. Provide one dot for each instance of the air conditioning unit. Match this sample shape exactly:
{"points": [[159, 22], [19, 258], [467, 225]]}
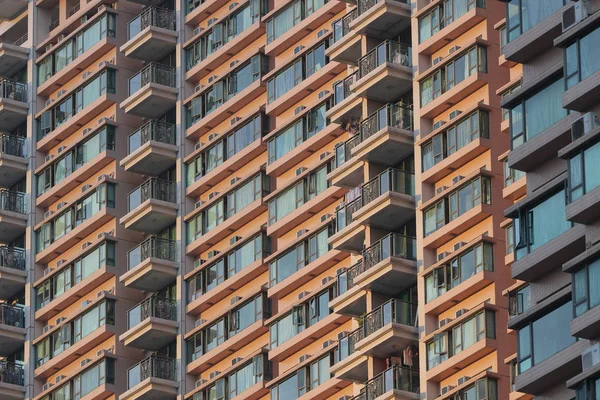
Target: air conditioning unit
{"points": [[234, 300], [324, 155], [458, 246], [48, 157], [198, 262], [299, 109], [445, 321], [583, 125], [61, 205], [440, 189], [83, 19], [211, 78], [300, 170], [198, 145], [85, 187], [324, 217], [101, 352], [233, 63], [85, 245], [236, 360], [214, 374], [232, 181], [199, 322], [86, 131], [461, 312], [59, 378], [345, 398], [60, 262], [234, 240], [213, 253], [48, 270], [60, 38], [197, 88], [48, 214], [47, 328], [232, 6], [49, 47], [322, 32], [298, 49], [437, 60], [326, 280], [48, 102], [102, 293], [463, 379], [573, 15], [457, 179], [85, 303], [197, 31], [102, 177], [212, 195], [302, 295], [438, 124], [212, 136], [301, 232], [46, 386], [84, 362], [590, 357], [211, 21], [323, 93], [447, 388], [234, 120], [442, 255], [198, 204], [303, 358], [455, 114], [85, 74], [453, 49], [200, 382], [328, 343]]}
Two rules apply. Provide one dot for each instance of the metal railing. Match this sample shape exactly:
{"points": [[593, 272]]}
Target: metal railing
{"points": [[343, 151], [341, 26], [12, 201], [154, 366], [73, 10], [397, 311], [153, 247], [13, 90], [365, 5], [159, 307], [152, 73], [12, 373], [159, 131], [151, 16], [394, 378], [21, 40], [388, 51], [347, 343], [345, 279], [13, 145], [341, 90], [390, 115], [344, 213], [12, 316], [54, 25], [11, 257], [392, 245], [153, 188]]}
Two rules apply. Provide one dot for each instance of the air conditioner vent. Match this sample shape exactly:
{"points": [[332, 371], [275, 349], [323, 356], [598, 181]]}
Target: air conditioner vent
{"points": [[326, 280], [459, 245], [457, 179], [234, 300], [454, 114], [445, 321], [324, 217], [213, 253], [232, 6], [573, 15], [214, 374], [198, 204], [300, 170], [236, 360], [301, 232], [212, 195], [302, 295], [590, 357], [447, 388], [303, 358], [323, 93], [298, 49], [211, 21], [453, 49], [322, 32], [437, 60], [461, 312], [299, 109], [583, 125], [438, 125], [234, 240]]}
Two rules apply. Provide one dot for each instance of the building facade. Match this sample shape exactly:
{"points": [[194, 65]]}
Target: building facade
{"points": [[267, 199]]}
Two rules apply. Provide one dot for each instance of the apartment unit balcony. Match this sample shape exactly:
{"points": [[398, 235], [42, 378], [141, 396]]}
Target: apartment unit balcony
{"points": [[346, 106], [154, 377], [12, 329], [584, 95], [151, 149], [152, 91], [151, 265], [13, 159], [345, 47], [385, 332], [385, 72], [151, 35], [12, 271], [152, 324], [10, 8], [395, 383], [12, 381], [386, 267], [13, 57], [13, 215], [151, 206], [13, 103], [385, 202]]}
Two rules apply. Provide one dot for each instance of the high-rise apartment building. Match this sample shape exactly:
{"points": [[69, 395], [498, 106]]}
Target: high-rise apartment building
{"points": [[553, 131], [267, 199]]}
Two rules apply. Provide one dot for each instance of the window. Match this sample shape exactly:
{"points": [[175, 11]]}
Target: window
{"points": [[443, 145], [461, 200], [483, 389], [519, 301], [544, 337], [506, 112], [300, 69], [290, 16], [588, 389], [581, 59], [302, 254], [533, 228], [511, 175], [471, 262], [586, 288], [523, 15], [444, 15], [91, 378], [537, 113], [584, 175], [510, 239], [303, 380], [238, 381]]}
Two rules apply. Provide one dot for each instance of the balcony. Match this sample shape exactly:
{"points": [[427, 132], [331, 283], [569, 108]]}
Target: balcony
{"points": [[12, 271], [385, 202], [12, 381], [465, 358], [386, 267], [385, 72], [152, 91], [151, 35], [13, 58], [10, 8], [151, 149], [395, 383], [12, 329], [382, 19], [13, 103], [13, 161], [154, 377], [152, 324], [385, 332], [346, 46], [151, 206], [152, 265], [13, 215], [347, 106]]}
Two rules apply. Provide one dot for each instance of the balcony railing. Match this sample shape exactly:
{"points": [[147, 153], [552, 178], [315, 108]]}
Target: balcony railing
{"points": [[390, 115], [12, 316], [345, 279], [154, 188], [13, 145], [392, 245], [54, 24], [73, 10], [152, 16], [343, 151], [341, 89], [151, 367], [12, 373], [394, 378], [11, 257], [347, 344], [13, 90], [341, 26], [388, 51], [12, 201], [20, 41], [152, 73], [158, 307], [159, 131], [153, 247]]}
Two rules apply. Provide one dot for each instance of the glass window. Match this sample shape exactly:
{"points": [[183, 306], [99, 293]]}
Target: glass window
{"points": [[525, 14], [586, 288], [583, 172]]}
